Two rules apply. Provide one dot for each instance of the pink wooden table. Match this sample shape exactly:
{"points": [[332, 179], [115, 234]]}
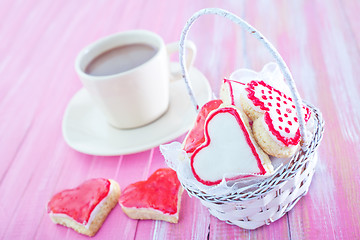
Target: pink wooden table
{"points": [[39, 40]]}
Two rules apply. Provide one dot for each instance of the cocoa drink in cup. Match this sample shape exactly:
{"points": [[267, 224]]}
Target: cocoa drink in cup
{"points": [[127, 76]]}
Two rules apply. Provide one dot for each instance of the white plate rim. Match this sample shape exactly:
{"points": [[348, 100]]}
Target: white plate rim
{"points": [[195, 75]]}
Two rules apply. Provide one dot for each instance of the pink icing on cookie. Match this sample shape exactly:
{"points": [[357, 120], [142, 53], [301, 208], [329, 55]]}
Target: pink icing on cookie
{"points": [[79, 202], [231, 157], [196, 135], [159, 192], [280, 115]]}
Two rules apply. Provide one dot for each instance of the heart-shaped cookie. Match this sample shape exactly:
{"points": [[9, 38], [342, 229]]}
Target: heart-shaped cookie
{"points": [[229, 150], [275, 123], [79, 202], [279, 111], [156, 198], [84, 205]]}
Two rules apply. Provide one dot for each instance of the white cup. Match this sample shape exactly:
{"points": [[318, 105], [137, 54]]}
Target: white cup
{"points": [[140, 95]]}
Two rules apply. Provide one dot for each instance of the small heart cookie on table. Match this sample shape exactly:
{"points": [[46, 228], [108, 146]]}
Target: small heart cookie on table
{"points": [[221, 146], [85, 207], [157, 198]]}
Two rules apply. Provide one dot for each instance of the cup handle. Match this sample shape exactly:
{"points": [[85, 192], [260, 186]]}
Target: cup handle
{"points": [[175, 70]]}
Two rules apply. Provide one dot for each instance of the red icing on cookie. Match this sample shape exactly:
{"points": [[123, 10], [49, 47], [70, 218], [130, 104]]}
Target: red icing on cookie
{"points": [[196, 136], [230, 82], [159, 192], [78, 203], [281, 119], [233, 112]]}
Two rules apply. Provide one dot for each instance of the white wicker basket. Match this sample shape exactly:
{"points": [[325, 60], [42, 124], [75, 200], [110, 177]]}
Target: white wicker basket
{"points": [[265, 201], [271, 198]]}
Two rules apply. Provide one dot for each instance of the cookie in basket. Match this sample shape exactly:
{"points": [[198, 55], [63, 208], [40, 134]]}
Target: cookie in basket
{"points": [[221, 146], [275, 121], [242, 202], [230, 92], [157, 198], [85, 207]]}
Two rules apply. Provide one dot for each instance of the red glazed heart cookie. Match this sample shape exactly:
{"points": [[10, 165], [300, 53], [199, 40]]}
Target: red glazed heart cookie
{"points": [[228, 149], [85, 207], [276, 125], [157, 198]]}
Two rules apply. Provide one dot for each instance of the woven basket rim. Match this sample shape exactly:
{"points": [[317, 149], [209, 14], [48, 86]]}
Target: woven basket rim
{"points": [[281, 176]]}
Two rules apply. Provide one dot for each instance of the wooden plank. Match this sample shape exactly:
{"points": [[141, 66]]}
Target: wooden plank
{"points": [[350, 10], [40, 41], [333, 202], [192, 222]]}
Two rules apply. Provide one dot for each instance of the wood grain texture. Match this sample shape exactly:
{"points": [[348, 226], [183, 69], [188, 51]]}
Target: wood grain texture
{"points": [[40, 39]]}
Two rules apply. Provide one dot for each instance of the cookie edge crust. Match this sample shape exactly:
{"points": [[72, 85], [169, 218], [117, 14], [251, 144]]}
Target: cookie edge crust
{"points": [[268, 144], [153, 214]]}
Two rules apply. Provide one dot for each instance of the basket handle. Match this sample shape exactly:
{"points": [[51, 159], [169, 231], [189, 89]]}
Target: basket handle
{"points": [[250, 29]]}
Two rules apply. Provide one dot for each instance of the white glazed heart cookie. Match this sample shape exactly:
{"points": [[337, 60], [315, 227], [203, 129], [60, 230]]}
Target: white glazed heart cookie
{"points": [[221, 146], [275, 122]]}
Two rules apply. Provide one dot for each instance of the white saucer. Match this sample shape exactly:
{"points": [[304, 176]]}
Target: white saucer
{"points": [[86, 130]]}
